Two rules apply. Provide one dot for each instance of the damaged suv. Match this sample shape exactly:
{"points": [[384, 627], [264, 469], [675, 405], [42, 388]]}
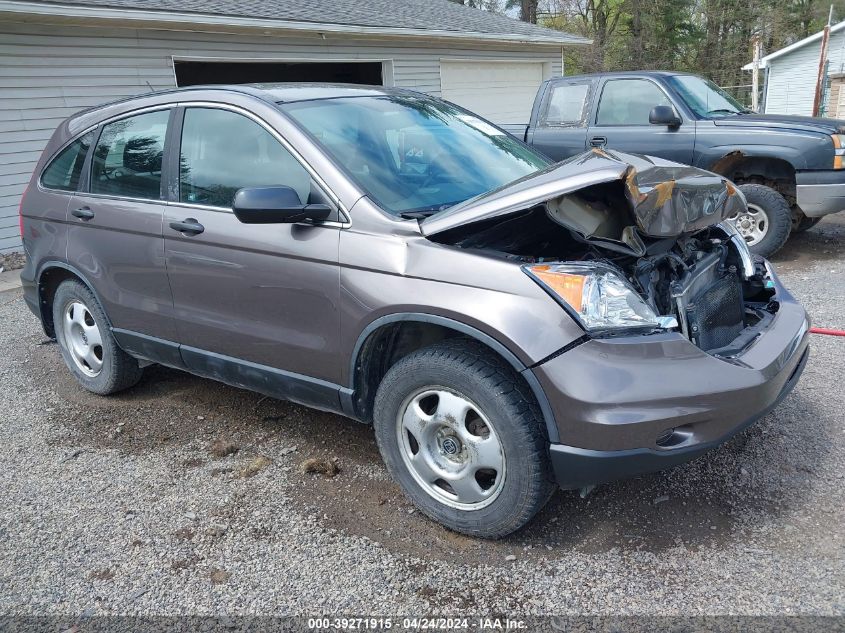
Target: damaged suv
{"points": [[506, 324]]}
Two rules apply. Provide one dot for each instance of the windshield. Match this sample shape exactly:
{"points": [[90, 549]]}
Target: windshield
{"points": [[704, 97], [414, 154]]}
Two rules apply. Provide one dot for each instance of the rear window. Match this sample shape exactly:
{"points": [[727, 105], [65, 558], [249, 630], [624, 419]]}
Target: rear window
{"points": [[64, 170], [127, 159]]}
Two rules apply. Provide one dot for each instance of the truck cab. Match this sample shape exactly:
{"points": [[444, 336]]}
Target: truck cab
{"points": [[790, 167]]}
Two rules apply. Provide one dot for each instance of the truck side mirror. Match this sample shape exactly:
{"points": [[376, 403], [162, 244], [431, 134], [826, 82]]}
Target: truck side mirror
{"points": [[664, 115]]}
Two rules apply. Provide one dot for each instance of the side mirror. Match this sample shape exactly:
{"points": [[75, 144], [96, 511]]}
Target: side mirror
{"points": [[275, 205], [664, 115]]}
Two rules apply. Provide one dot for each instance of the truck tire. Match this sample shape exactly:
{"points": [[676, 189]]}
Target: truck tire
{"points": [[767, 223], [463, 436], [87, 344]]}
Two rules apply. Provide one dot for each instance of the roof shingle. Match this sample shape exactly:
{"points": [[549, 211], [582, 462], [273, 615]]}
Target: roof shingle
{"points": [[427, 15]]}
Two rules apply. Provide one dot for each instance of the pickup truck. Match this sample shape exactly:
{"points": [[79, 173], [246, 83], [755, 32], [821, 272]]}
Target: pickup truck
{"points": [[790, 168]]}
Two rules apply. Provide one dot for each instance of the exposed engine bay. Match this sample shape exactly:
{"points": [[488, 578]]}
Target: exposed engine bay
{"points": [[666, 239]]}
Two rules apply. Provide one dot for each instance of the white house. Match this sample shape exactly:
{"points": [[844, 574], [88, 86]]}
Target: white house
{"points": [[791, 74], [59, 57]]}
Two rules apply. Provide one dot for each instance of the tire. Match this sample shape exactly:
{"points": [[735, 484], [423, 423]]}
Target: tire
{"points": [[102, 369], [485, 502], [805, 223], [766, 206]]}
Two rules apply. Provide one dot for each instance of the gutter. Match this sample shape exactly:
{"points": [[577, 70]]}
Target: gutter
{"points": [[174, 20]]}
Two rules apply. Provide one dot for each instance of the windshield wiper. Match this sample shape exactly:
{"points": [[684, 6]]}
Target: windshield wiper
{"points": [[425, 212], [725, 111], [419, 214]]}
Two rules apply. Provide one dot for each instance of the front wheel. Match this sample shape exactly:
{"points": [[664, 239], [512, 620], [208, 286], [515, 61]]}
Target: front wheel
{"points": [[766, 223], [463, 436]]}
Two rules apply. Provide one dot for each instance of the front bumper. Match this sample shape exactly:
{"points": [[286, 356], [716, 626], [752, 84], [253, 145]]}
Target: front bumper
{"points": [[820, 193], [632, 405]]}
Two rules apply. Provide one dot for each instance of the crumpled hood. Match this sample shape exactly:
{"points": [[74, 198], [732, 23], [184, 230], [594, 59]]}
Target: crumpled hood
{"points": [[662, 198], [783, 122]]}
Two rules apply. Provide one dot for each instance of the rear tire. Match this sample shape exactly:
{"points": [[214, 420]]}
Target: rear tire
{"points": [[768, 222], [87, 344], [463, 436]]}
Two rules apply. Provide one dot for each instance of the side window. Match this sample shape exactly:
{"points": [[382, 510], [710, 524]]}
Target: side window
{"points": [[64, 170], [566, 104], [223, 151], [127, 159], [628, 102]]}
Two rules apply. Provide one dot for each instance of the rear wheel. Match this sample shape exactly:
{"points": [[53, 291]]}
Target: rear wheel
{"points": [[766, 223], [87, 344], [462, 435]]}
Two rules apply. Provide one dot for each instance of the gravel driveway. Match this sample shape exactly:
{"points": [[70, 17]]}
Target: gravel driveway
{"points": [[184, 496]]}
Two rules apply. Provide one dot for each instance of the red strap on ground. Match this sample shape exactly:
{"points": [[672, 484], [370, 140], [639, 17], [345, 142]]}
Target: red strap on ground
{"points": [[828, 331]]}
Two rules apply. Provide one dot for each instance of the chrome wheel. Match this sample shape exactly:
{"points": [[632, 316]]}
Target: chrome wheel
{"points": [[752, 225], [450, 448], [82, 338]]}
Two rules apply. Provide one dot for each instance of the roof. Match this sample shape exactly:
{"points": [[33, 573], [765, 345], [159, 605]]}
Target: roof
{"points": [[629, 73], [437, 18], [290, 92], [795, 46]]}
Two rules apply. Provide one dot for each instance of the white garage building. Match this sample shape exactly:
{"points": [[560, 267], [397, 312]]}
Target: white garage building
{"points": [[57, 58]]}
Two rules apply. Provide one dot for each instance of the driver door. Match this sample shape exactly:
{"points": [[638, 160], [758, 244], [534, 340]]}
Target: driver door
{"points": [[266, 294], [621, 122]]}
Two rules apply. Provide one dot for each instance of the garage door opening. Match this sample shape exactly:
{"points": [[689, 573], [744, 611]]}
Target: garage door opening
{"points": [[196, 73]]}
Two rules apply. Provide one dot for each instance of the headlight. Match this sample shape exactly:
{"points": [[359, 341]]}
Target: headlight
{"points": [[838, 150], [599, 297]]}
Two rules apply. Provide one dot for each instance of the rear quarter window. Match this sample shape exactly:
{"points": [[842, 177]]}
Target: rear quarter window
{"points": [[567, 105], [64, 170]]}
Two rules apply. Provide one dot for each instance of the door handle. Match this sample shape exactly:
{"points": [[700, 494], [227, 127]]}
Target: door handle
{"points": [[598, 141], [83, 213], [189, 226]]}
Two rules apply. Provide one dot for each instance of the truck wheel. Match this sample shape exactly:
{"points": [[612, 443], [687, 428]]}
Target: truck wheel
{"points": [[767, 222], [464, 438], [87, 344], [805, 223]]}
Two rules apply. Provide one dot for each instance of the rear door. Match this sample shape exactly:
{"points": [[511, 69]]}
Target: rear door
{"points": [[115, 224], [267, 294], [621, 121], [561, 129]]}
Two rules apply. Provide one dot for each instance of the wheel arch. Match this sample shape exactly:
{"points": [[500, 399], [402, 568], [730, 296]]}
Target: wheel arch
{"points": [[743, 168], [50, 275], [391, 337]]}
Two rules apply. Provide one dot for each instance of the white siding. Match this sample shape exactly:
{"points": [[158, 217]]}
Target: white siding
{"points": [[792, 77], [49, 72]]}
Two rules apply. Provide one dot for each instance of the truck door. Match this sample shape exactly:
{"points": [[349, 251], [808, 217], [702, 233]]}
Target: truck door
{"points": [[621, 121], [560, 129]]}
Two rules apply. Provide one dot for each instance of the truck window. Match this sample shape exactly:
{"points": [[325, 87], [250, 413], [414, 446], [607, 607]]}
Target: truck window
{"points": [[566, 104], [628, 102]]}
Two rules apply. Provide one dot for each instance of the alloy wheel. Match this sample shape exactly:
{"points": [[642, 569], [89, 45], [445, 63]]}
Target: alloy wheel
{"points": [[752, 224]]}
